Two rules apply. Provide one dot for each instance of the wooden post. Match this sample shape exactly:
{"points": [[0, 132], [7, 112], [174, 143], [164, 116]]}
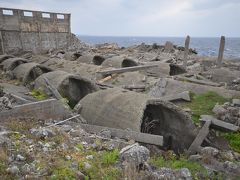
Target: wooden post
{"points": [[221, 50], [187, 42]]}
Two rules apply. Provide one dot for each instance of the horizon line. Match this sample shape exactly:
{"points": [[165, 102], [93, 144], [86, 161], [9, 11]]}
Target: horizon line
{"points": [[155, 36]]}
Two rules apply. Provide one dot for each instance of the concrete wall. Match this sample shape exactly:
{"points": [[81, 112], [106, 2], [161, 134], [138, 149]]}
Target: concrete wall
{"points": [[33, 30]]}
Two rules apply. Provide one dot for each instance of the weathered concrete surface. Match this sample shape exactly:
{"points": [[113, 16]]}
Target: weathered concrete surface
{"points": [[174, 87], [33, 33], [11, 63], [202, 134], [119, 62], [91, 59], [222, 75], [118, 108], [4, 57], [72, 87], [28, 72], [47, 109], [20, 91], [74, 67], [126, 134], [218, 124]]}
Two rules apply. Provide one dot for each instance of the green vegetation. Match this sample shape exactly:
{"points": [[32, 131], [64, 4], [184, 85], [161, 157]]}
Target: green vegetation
{"points": [[177, 163], [109, 158], [203, 104], [39, 94], [63, 173], [102, 165], [234, 140]]}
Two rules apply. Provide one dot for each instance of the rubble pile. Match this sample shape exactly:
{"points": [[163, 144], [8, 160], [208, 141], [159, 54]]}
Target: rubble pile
{"points": [[106, 112], [229, 112]]}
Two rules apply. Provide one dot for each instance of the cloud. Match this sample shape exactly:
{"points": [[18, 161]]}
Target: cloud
{"points": [[144, 17]]}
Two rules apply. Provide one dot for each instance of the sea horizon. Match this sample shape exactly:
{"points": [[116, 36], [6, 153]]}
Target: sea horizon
{"points": [[205, 46]]}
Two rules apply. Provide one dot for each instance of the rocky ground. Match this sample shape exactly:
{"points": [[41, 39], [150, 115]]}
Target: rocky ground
{"points": [[37, 149]]}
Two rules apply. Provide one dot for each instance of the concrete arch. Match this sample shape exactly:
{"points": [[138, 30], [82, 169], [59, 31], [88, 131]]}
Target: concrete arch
{"points": [[4, 57], [28, 72], [91, 59], [72, 87], [11, 63], [123, 109], [119, 62]]}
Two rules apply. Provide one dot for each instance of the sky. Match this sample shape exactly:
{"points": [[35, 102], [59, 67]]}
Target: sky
{"points": [[176, 18]]}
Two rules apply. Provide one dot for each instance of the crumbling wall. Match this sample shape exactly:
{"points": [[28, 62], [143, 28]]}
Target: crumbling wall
{"points": [[33, 30]]}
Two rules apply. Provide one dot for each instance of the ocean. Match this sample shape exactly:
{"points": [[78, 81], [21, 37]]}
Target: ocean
{"points": [[204, 46]]}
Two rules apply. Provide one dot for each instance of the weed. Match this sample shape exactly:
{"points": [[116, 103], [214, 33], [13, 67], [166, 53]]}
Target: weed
{"points": [[203, 104], [177, 163], [39, 94], [234, 140]]}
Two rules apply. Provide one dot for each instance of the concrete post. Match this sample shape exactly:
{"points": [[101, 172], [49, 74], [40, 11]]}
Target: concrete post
{"points": [[1, 43], [221, 51], [187, 42]]}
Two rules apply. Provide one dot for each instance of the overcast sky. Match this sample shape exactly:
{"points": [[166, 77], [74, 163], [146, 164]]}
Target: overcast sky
{"points": [[200, 18]]}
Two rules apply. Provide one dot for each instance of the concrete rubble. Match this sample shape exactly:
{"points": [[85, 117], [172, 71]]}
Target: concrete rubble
{"points": [[120, 109]]}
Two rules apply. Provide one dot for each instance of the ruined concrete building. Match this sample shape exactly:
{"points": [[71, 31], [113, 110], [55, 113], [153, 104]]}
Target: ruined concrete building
{"points": [[36, 31]]}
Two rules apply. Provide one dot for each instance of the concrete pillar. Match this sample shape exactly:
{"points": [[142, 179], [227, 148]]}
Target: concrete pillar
{"points": [[187, 42], [1, 43], [221, 51]]}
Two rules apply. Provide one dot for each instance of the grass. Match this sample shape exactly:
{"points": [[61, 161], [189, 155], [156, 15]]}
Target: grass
{"points": [[203, 104], [233, 140], [178, 163], [39, 94], [102, 165]]}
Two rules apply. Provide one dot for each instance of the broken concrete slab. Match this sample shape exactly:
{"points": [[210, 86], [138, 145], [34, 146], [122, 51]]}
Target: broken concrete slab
{"points": [[118, 108], [126, 134], [218, 124], [203, 82], [19, 91], [126, 69], [236, 102], [180, 96], [202, 134], [28, 72], [47, 109], [174, 87], [222, 75], [72, 87]]}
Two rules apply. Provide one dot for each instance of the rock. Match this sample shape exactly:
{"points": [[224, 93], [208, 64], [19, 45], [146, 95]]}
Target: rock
{"points": [[227, 155], [42, 132], [183, 173], [87, 165], [236, 81], [134, 154], [196, 157], [89, 157], [80, 175], [5, 103], [219, 110], [27, 169], [163, 174], [20, 158], [67, 157], [236, 102], [14, 170], [106, 133], [66, 128], [209, 151], [230, 166]]}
